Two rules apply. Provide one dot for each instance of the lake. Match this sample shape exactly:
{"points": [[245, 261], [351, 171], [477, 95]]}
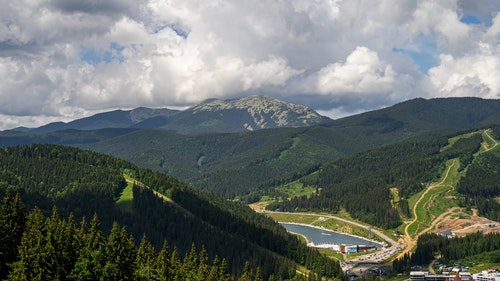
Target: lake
{"points": [[320, 236]]}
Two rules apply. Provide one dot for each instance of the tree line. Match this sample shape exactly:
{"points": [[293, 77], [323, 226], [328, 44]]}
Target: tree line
{"points": [[448, 249], [35, 247]]}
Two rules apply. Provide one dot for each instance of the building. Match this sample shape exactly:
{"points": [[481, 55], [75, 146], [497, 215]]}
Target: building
{"points": [[491, 275], [426, 276], [446, 233]]}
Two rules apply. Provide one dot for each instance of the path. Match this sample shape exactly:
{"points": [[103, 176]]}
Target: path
{"points": [[409, 241], [487, 133]]}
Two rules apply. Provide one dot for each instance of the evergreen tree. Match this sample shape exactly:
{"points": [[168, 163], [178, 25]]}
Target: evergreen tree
{"points": [[189, 266], [145, 261], [247, 273], [32, 256], [203, 267], [163, 265], [224, 271], [120, 254], [214, 275], [176, 266], [12, 225], [94, 238]]}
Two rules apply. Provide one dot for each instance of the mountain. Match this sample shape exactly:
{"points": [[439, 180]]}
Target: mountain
{"points": [[112, 119], [235, 165], [249, 113], [84, 184], [211, 116], [248, 164]]}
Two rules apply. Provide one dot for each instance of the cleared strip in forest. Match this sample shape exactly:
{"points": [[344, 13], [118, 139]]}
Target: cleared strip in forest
{"points": [[156, 193]]}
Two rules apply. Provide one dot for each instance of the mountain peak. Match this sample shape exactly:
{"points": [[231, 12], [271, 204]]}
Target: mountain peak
{"points": [[263, 112]]}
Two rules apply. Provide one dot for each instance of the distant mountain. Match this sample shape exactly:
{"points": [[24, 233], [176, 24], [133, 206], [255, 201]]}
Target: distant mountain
{"points": [[211, 116], [111, 119], [250, 113]]}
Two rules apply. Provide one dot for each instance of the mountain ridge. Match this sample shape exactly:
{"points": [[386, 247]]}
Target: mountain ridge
{"points": [[210, 116], [232, 165]]}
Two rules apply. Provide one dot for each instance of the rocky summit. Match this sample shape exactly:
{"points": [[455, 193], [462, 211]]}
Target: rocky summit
{"points": [[263, 111]]}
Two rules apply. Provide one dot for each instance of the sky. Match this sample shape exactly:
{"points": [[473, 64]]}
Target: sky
{"points": [[65, 59]]}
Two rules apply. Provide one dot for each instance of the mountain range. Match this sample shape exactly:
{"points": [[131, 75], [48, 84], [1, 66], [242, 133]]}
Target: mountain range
{"points": [[245, 164], [211, 161], [211, 116]]}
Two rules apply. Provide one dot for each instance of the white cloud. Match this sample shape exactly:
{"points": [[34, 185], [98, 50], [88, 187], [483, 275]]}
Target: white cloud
{"points": [[471, 75], [362, 73], [65, 59]]}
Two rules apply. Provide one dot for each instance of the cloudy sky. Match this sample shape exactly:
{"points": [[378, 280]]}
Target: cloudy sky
{"points": [[65, 59]]}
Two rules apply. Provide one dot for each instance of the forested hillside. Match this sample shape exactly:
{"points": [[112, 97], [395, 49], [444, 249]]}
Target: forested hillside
{"points": [[82, 183], [249, 164], [354, 183], [35, 247], [481, 184], [430, 245]]}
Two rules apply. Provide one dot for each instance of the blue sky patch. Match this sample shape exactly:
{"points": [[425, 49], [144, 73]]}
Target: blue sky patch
{"points": [[423, 60], [470, 19], [423, 51], [95, 56]]}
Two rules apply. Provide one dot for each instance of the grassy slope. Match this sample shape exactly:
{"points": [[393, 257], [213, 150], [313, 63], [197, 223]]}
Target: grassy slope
{"points": [[126, 199]]}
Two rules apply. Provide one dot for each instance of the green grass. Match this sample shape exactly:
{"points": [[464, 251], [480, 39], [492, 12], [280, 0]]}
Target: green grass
{"points": [[429, 208], [489, 142], [483, 261], [125, 201], [337, 225], [331, 254], [453, 140], [288, 217], [436, 201], [295, 189], [200, 161]]}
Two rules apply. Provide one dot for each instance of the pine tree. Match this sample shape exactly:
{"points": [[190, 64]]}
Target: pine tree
{"points": [[90, 260], [213, 275], [176, 265], [145, 260], [32, 256], [12, 225], [258, 275], [120, 254], [224, 271], [189, 265], [247, 273], [203, 267], [163, 266], [95, 239]]}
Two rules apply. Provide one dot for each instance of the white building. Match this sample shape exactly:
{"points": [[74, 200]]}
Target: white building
{"points": [[487, 276]]}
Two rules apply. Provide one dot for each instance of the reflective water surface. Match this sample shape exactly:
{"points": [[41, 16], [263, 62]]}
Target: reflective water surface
{"points": [[320, 236]]}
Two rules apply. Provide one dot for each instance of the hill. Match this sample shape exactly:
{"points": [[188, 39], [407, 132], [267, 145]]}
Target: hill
{"points": [[354, 183], [85, 183], [249, 164]]}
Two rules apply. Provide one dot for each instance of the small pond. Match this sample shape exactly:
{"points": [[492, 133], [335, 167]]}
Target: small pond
{"points": [[320, 236]]}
